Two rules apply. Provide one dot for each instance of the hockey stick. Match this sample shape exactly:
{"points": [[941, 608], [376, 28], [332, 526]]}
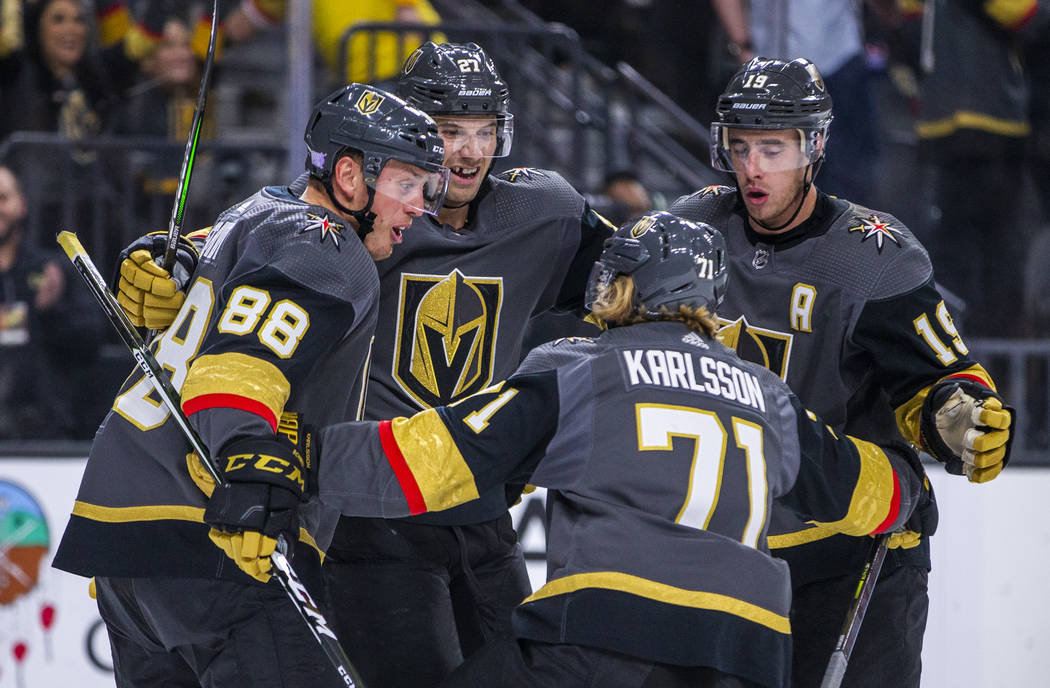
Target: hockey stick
{"points": [[154, 373], [836, 670], [190, 154]]}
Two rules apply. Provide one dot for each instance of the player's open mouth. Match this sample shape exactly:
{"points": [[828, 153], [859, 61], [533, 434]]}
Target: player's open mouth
{"points": [[398, 232], [756, 195], [466, 173]]}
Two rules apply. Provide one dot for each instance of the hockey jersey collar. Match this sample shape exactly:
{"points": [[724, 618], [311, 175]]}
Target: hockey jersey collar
{"points": [[819, 222]]}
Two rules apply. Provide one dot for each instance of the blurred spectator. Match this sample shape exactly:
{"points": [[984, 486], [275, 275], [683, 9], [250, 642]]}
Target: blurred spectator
{"points": [[830, 34], [162, 105], [623, 197], [974, 129], [49, 334], [332, 19], [50, 78]]}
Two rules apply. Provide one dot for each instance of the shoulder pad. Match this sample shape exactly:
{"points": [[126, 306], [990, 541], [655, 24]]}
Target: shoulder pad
{"points": [[870, 253], [313, 247], [710, 204], [530, 194]]}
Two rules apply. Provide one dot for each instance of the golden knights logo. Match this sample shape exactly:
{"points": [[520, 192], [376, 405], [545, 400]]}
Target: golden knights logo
{"points": [[446, 333], [767, 348], [324, 226], [643, 226], [872, 226], [369, 102]]}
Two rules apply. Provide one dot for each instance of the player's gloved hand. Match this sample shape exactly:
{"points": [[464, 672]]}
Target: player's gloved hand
{"points": [[924, 518], [149, 294], [966, 427], [266, 479]]}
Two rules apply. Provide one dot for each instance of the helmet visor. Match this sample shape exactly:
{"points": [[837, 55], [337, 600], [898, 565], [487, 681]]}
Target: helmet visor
{"points": [[601, 277], [477, 136], [413, 186], [772, 148]]}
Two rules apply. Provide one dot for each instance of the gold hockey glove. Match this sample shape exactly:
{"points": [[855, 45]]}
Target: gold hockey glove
{"points": [[266, 480], [149, 294], [966, 427]]}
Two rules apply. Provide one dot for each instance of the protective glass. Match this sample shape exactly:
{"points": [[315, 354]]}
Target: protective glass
{"points": [[598, 283], [413, 186], [479, 136], [780, 149]]}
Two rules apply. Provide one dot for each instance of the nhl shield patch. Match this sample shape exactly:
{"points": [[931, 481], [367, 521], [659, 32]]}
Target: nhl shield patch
{"points": [[446, 335]]}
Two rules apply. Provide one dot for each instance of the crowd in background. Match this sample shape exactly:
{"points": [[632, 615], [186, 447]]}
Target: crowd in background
{"points": [[942, 117]]}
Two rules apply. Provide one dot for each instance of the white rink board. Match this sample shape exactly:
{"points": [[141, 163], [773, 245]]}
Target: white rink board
{"points": [[989, 608]]}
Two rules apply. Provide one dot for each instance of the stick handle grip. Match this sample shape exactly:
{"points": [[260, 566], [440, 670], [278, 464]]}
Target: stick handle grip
{"points": [[835, 672]]}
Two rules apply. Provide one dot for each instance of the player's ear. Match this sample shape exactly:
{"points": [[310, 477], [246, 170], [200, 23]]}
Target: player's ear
{"points": [[346, 176]]}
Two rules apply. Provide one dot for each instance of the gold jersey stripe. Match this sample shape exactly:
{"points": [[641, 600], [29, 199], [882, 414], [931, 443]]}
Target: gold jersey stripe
{"points": [[662, 592], [800, 537], [440, 471], [240, 375], [872, 496], [169, 512]]}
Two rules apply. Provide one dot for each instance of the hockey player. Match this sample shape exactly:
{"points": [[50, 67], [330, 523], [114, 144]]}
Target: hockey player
{"points": [[839, 301], [661, 452], [284, 300], [411, 598]]}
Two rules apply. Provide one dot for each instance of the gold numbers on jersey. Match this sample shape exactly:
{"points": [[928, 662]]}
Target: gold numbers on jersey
{"points": [[659, 424], [281, 331], [926, 330]]}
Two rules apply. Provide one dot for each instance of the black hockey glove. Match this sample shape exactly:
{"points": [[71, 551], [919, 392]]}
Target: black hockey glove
{"points": [[149, 294], [266, 480], [965, 426], [924, 518]]}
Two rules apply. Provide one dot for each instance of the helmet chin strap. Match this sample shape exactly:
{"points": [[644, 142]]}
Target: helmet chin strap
{"points": [[807, 183], [365, 217]]}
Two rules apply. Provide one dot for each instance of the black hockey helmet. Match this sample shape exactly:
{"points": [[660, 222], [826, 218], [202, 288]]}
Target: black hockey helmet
{"points": [[458, 79], [674, 262], [773, 94], [382, 127]]}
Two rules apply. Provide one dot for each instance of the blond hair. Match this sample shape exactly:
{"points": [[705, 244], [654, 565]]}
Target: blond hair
{"points": [[615, 305]]}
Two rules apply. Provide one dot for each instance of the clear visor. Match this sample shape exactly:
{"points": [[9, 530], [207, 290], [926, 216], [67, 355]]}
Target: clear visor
{"points": [[772, 149], [419, 189], [598, 284], [477, 136]]}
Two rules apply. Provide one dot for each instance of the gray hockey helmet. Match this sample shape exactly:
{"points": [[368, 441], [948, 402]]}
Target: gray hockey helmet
{"points": [[674, 262], [382, 127], [773, 94], [458, 79]]}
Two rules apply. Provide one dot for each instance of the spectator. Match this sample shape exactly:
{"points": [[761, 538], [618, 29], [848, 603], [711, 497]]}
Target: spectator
{"points": [[48, 332], [831, 35], [162, 105], [626, 197], [974, 129]]}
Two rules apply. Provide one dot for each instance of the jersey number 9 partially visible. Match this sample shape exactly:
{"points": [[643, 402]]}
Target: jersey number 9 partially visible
{"points": [[282, 329]]}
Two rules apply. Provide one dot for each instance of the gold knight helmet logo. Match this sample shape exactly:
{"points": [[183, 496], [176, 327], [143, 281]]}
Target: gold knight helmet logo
{"points": [[446, 333], [369, 102]]}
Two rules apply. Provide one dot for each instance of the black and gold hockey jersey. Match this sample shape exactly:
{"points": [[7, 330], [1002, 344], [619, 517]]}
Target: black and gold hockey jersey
{"points": [[845, 310], [661, 452], [456, 302], [284, 301]]}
